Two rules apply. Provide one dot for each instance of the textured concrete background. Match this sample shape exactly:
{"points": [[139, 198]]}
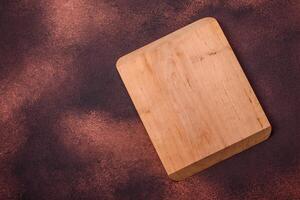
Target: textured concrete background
{"points": [[69, 130]]}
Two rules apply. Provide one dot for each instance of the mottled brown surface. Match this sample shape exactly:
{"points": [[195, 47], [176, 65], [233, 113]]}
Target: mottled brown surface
{"points": [[69, 130]]}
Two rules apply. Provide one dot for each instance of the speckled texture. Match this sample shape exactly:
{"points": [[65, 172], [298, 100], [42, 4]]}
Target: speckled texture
{"points": [[67, 125]]}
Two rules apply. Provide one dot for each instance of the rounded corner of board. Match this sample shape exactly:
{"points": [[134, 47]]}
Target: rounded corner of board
{"points": [[210, 19], [269, 131], [119, 62]]}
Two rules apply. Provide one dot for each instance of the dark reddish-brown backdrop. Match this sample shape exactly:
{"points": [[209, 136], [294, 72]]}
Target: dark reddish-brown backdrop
{"points": [[69, 130]]}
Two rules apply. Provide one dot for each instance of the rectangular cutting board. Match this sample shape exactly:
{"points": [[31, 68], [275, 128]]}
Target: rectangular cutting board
{"points": [[193, 98]]}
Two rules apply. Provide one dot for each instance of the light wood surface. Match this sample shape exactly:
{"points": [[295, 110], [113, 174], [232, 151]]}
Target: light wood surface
{"points": [[193, 98]]}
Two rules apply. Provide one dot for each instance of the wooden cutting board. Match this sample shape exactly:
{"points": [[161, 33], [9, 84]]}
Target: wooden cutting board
{"points": [[193, 98]]}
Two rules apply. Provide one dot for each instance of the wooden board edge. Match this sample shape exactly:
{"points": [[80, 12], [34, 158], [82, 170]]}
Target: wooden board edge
{"points": [[122, 59], [222, 155]]}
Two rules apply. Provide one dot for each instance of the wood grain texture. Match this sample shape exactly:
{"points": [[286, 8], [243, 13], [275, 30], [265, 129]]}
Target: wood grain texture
{"points": [[193, 98]]}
